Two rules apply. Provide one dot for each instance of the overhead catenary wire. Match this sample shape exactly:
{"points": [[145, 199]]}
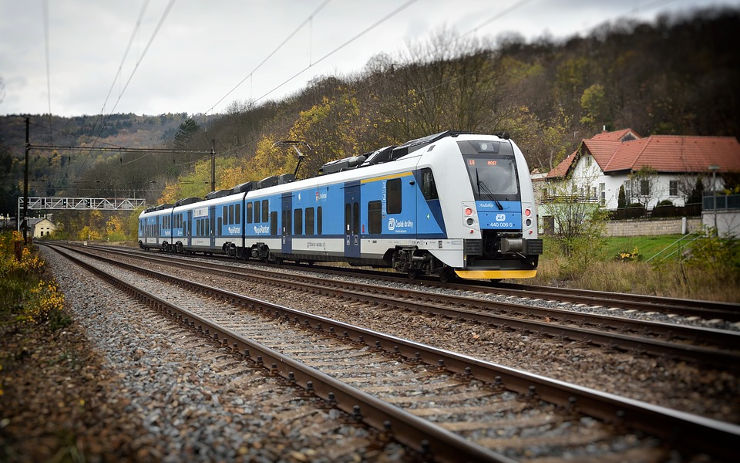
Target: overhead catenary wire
{"points": [[355, 37], [120, 66], [272, 53], [136, 66], [48, 71]]}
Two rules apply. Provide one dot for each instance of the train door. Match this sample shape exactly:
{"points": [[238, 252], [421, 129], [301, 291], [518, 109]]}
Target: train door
{"points": [[287, 223], [352, 219], [212, 225]]}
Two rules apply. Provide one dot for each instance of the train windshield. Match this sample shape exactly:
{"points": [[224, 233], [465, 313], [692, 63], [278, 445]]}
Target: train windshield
{"points": [[492, 170]]}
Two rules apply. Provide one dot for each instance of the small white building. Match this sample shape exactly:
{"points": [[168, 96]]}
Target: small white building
{"points": [[41, 227], [651, 169]]}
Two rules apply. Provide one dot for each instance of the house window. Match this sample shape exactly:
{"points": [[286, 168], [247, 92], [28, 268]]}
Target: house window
{"points": [[644, 187], [588, 161], [602, 193], [673, 188]]}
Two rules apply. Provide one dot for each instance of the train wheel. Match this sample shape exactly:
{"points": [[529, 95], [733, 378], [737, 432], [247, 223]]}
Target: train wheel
{"points": [[413, 274], [178, 248], [447, 275]]}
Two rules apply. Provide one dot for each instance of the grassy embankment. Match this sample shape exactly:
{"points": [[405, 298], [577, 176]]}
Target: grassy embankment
{"points": [[695, 268], [27, 295]]}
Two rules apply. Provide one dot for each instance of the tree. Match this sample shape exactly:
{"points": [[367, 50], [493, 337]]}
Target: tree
{"points": [[185, 133], [644, 184], [622, 199], [594, 105]]}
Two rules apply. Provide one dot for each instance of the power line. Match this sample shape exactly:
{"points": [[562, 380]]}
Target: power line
{"points": [[136, 67], [48, 73], [251, 73], [497, 16], [141, 58], [355, 37], [120, 66]]}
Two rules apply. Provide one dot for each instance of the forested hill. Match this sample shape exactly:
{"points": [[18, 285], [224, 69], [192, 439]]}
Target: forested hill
{"points": [[679, 75], [676, 76]]}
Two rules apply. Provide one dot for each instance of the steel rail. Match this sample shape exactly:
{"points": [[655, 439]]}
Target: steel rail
{"points": [[685, 307], [681, 429], [417, 433], [428, 303]]}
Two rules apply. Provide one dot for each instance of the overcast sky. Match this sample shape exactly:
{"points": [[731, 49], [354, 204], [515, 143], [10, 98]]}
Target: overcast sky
{"points": [[205, 48]]}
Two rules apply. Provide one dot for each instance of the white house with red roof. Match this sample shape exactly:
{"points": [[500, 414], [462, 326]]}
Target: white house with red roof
{"points": [[609, 160]]}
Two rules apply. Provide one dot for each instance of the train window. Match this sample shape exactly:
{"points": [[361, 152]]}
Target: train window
{"points": [[347, 217], [257, 212], [265, 210], [231, 214], [249, 212], [286, 223], [273, 223], [319, 219], [237, 219], [298, 222], [374, 217], [355, 218], [309, 221], [225, 214], [220, 226], [428, 187], [393, 194]]}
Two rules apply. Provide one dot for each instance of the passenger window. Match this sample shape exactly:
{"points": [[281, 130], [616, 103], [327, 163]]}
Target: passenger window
{"points": [[298, 222], [309, 221], [374, 217], [257, 212], [273, 223], [231, 214], [393, 195], [265, 210], [249, 212], [225, 214], [319, 218], [237, 218]]}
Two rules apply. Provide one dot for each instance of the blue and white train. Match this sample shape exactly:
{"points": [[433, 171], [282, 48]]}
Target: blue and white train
{"points": [[450, 204]]}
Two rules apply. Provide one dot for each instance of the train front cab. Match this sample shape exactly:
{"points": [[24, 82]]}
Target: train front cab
{"points": [[503, 208]]}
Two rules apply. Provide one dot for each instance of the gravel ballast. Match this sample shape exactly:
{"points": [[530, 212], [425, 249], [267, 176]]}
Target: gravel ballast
{"points": [[178, 397]]}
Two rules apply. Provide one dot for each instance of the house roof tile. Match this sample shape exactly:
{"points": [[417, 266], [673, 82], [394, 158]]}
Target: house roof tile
{"points": [[664, 153]]}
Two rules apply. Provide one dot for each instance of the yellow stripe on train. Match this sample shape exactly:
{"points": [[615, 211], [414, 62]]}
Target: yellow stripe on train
{"points": [[495, 274]]}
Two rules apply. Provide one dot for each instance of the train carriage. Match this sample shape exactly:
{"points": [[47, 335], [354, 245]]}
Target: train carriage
{"points": [[448, 204]]}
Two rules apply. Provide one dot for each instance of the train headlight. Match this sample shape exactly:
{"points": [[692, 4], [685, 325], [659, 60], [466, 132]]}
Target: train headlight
{"points": [[469, 221], [528, 222], [527, 212], [468, 211]]}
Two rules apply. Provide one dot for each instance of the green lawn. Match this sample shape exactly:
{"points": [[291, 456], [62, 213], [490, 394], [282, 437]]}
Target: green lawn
{"points": [[647, 246]]}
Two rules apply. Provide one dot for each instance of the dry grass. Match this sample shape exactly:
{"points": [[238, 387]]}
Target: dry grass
{"points": [[672, 279]]}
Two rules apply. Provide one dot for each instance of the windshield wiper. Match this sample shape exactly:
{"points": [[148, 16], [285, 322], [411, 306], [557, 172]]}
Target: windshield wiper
{"points": [[487, 191]]}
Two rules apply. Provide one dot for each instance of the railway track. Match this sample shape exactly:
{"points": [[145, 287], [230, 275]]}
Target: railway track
{"points": [[450, 406], [703, 345], [629, 302]]}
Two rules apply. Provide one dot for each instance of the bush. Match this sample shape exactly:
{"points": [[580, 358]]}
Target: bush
{"points": [[627, 256]]}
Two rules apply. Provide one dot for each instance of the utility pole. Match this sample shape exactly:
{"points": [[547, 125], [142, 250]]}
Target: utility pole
{"points": [[25, 185], [213, 164]]}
